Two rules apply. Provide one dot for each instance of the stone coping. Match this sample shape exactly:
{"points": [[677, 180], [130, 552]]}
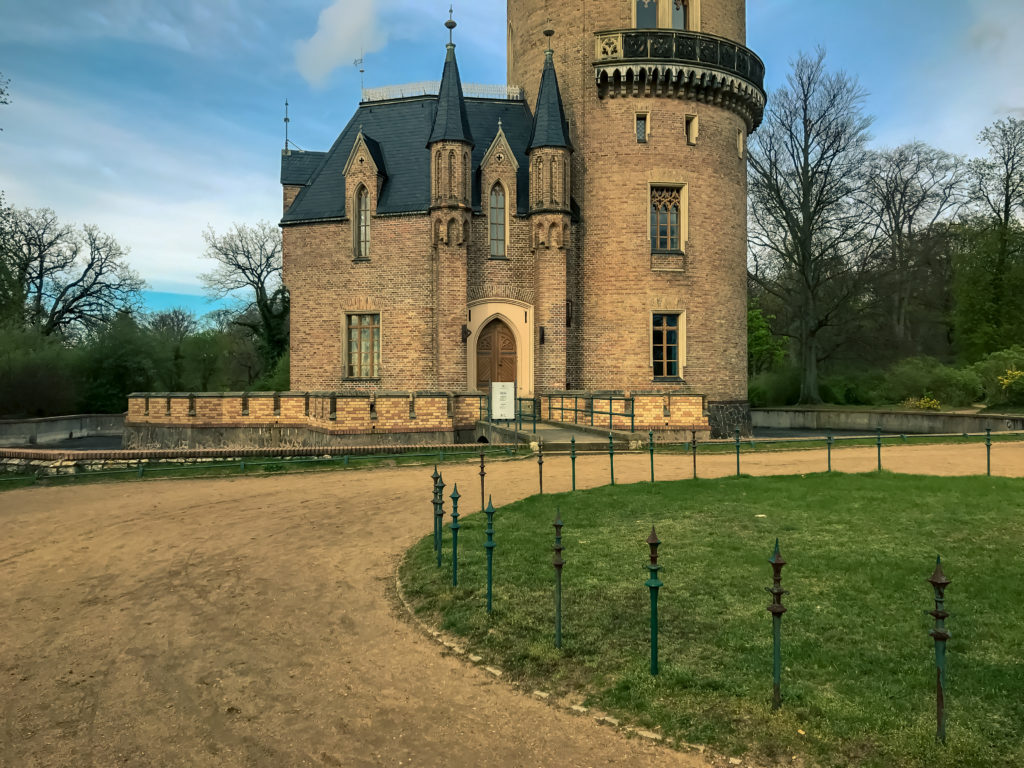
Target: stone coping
{"points": [[311, 393]]}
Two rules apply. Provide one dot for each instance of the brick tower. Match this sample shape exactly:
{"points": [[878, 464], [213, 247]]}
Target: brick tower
{"points": [[659, 96]]}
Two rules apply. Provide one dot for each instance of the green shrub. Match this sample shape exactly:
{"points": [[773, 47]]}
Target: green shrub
{"points": [[918, 377], [852, 388], [996, 365], [775, 388]]}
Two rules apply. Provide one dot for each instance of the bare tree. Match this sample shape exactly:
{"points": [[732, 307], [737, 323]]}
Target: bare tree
{"points": [[248, 259], [173, 324], [71, 280], [807, 166], [5, 94], [909, 190]]}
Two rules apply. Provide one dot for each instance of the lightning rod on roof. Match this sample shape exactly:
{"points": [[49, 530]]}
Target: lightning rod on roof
{"points": [[286, 121], [359, 63]]}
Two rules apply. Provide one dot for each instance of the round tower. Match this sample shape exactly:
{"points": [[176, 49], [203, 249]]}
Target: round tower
{"points": [[660, 96]]}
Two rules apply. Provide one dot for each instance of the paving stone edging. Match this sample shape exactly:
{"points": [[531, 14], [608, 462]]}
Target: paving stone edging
{"points": [[453, 647]]}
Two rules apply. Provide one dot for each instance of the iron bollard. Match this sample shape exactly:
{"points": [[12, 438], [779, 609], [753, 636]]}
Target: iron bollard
{"points": [[988, 452], [611, 456], [879, 449], [650, 436], [490, 545], [654, 584], [439, 516], [434, 502], [572, 457], [482, 476], [737, 451], [558, 562], [694, 449], [830, 441], [455, 535], [941, 635], [776, 609], [540, 466]]}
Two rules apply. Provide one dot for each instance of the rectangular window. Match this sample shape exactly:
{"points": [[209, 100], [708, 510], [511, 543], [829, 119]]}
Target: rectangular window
{"points": [[646, 14], [666, 206], [665, 346], [363, 346], [678, 14], [741, 143], [641, 128], [691, 129]]}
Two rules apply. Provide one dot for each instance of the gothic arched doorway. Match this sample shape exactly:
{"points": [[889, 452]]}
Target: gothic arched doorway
{"points": [[495, 355]]}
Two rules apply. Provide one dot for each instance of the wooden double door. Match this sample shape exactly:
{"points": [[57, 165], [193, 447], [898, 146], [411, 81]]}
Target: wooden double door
{"points": [[495, 355]]}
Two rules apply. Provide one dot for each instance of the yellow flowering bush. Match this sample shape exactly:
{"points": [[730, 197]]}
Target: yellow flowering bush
{"points": [[926, 403], [1013, 386]]}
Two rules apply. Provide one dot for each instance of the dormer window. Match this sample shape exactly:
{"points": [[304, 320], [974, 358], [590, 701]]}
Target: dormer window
{"points": [[362, 224]]}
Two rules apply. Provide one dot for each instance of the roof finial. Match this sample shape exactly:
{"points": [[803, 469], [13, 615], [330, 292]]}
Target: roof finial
{"points": [[451, 24], [286, 121], [549, 33]]}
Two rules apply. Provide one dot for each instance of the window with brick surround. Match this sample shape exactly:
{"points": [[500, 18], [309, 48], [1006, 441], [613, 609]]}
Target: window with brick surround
{"points": [[691, 129], [666, 216], [497, 221], [641, 127], [362, 224], [666, 345], [363, 346]]}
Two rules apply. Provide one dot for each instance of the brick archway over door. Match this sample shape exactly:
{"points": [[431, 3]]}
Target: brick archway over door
{"points": [[495, 355]]}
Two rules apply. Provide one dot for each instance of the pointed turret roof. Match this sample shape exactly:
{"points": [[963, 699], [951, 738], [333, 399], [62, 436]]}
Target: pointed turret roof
{"points": [[451, 122], [549, 126]]}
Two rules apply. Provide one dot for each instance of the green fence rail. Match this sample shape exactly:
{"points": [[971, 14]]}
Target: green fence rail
{"points": [[589, 410]]}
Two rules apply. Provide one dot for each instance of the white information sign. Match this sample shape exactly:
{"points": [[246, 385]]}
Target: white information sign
{"points": [[503, 401]]}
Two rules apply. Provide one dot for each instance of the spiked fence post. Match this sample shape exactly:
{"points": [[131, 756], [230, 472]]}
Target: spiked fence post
{"points": [[490, 545], [654, 584], [737, 451], [940, 634], [776, 609], [455, 535], [988, 452], [650, 442], [540, 465], [611, 456], [879, 449], [435, 501], [558, 562], [439, 516], [572, 457], [483, 474], [829, 442], [693, 447]]}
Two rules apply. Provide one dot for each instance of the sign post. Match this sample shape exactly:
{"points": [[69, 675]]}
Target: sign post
{"points": [[503, 401]]}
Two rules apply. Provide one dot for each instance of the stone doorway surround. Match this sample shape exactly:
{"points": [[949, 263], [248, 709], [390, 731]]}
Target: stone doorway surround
{"points": [[519, 317]]}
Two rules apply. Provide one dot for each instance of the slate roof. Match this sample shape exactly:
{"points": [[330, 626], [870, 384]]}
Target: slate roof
{"points": [[297, 167], [549, 127], [401, 130], [451, 122]]}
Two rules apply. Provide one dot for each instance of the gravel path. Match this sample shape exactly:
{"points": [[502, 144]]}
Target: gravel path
{"points": [[249, 622]]}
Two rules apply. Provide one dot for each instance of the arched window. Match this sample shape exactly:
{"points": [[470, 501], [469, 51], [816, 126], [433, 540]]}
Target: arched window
{"points": [[646, 14], [679, 12], [538, 181], [469, 178], [551, 181], [497, 221], [437, 175], [565, 183], [451, 174], [362, 223], [665, 206]]}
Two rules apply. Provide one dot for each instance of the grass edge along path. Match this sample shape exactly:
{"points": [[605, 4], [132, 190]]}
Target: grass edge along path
{"points": [[858, 664]]}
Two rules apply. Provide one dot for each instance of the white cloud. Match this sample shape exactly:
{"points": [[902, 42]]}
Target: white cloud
{"points": [[345, 30]]}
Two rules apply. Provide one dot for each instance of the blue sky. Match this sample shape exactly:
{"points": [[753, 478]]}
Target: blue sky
{"points": [[155, 119]]}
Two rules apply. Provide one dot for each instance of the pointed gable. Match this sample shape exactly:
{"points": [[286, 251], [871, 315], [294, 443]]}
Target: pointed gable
{"points": [[550, 128], [500, 151], [451, 122], [365, 149]]}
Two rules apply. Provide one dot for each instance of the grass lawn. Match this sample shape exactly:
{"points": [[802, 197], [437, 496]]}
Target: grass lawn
{"points": [[859, 676]]}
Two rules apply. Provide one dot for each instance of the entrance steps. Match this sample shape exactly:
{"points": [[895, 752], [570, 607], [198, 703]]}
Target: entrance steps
{"points": [[557, 437]]}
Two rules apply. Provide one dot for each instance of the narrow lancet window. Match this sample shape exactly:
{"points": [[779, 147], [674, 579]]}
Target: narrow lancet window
{"points": [[362, 224], [497, 222]]}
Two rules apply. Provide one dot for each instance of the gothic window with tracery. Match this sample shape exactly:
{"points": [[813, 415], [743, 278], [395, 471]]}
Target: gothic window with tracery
{"points": [[362, 223], [646, 14], [679, 9], [665, 212], [497, 222]]}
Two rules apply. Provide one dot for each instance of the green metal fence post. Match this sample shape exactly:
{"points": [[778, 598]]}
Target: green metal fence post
{"points": [[830, 441], [483, 474], [455, 535], [490, 545], [941, 635], [440, 518], [572, 457], [140, 469], [650, 438], [611, 456], [776, 609], [879, 449], [654, 583], [540, 465], [737, 451], [558, 562], [435, 477], [693, 446], [988, 452]]}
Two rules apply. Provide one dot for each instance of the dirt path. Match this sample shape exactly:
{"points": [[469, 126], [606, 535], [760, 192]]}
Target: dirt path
{"points": [[247, 622]]}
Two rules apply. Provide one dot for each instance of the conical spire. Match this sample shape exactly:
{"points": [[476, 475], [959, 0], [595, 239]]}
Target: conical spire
{"points": [[549, 126], [451, 122]]}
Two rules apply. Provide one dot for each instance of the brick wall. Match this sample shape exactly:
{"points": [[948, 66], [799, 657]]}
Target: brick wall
{"points": [[654, 411]]}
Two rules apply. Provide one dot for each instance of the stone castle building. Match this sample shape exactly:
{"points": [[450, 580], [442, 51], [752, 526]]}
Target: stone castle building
{"points": [[582, 228]]}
